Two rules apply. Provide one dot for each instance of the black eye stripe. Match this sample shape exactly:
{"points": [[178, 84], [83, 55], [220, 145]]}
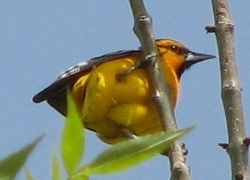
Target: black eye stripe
{"points": [[177, 49]]}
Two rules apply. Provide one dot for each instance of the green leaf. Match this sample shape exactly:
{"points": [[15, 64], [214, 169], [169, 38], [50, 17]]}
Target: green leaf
{"points": [[80, 176], [72, 145], [129, 153], [56, 173], [28, 174], [11, 165]]}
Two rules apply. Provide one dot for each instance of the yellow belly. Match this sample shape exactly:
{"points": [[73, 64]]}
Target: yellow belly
{"points": [[110, 101]]}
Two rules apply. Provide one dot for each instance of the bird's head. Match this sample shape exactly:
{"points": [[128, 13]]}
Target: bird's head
{"points": [[177, 57]]}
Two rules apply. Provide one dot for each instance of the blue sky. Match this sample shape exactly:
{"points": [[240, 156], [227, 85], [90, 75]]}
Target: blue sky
{"points": [[40, 39]]}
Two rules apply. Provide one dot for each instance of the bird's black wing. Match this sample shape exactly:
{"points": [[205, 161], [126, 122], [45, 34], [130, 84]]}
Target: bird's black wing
{"points": [[55, 94]]}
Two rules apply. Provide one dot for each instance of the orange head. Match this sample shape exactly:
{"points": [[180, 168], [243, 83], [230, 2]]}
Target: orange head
{"points": [[176, 58]]}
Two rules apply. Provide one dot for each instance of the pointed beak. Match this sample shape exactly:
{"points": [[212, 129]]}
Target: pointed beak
{"points": [[198, 57], [193, 58]]}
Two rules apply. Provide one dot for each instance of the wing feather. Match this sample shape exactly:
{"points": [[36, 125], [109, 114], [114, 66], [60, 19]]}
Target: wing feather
{"points": [[55, 94]]}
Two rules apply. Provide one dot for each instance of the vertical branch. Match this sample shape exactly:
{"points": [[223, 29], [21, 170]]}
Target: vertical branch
{"points": [[144, 31], [231, 91]]}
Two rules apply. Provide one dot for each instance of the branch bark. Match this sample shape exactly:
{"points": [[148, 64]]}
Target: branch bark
{"points": [[237, 147], [144, 31]]}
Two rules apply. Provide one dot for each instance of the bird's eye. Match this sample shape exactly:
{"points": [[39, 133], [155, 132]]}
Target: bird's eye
{"points": [[175, 49]]}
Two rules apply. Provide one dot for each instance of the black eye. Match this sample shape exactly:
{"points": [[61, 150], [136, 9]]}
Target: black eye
{"points": [[175, 49]]}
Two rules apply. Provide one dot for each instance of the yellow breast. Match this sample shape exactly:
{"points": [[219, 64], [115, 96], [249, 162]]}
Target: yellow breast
{"points": [[111, 100]]}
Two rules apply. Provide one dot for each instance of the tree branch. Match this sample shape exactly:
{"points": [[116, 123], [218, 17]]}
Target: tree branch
{"points": [[231, 91], [144, 31]]}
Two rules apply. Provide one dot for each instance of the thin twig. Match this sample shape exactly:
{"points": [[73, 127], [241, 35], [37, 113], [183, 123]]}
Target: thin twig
{"points": [[144, 31], [231, 92]]}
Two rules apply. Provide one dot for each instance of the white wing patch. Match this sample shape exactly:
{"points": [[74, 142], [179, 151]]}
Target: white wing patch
{"points": [[73, 70], [90, 63]]}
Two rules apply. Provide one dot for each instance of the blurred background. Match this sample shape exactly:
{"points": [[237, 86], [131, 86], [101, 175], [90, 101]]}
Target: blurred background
{"points": [[40, 39]]}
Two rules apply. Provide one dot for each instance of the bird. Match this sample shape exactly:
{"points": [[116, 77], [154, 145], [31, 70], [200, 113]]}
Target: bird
{"points": [[114, 92]]}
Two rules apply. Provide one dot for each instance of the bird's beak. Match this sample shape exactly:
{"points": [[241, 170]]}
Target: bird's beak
{"points": [[198, 57], [193, 58]]}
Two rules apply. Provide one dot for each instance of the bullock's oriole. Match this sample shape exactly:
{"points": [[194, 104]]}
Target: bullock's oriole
{"points": [[110, 98]]}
